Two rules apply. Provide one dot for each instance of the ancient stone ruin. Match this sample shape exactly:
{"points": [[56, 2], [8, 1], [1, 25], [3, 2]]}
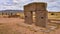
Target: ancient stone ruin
{"points": [[41, 13]]}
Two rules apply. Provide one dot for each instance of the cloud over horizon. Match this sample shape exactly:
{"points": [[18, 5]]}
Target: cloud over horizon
{"points": [[53, 5]]}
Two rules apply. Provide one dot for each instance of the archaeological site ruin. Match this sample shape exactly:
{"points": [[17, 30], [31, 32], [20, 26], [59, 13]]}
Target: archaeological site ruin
{"points": [[41, 13]]}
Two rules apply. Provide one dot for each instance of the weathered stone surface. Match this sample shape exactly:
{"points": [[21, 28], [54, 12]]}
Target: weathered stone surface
{"points": [[40, 13]]}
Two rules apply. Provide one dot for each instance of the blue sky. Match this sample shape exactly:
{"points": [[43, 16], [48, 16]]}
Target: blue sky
{"points": [[53, 5]]}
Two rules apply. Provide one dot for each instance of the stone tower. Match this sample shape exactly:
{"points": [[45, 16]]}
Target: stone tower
{"points": [[40, 13]]}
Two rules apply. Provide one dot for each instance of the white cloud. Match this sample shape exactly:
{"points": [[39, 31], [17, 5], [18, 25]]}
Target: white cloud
{"points": [[53, 5]]}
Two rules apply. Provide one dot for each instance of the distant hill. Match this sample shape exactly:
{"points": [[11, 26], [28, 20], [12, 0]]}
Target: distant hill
{"points": [[15, 11], [11, 11]]}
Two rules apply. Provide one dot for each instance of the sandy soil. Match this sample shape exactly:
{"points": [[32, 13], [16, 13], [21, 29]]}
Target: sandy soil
{"points": [[17, 26]]}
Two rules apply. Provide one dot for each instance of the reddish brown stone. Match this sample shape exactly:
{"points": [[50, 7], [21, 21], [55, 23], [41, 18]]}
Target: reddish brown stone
{"points": [[40, 13]]}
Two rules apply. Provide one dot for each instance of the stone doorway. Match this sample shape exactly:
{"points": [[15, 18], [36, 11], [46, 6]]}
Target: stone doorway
{"points": [[41, 14]]}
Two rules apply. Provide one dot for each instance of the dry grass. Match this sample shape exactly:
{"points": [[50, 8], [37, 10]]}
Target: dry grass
{"points": [[17, 26], [8, 28], [5, 29]]}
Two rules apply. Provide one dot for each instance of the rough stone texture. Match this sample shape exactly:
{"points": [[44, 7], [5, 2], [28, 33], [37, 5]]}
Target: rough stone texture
{"points": [[40, 13], [28, 16]]}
